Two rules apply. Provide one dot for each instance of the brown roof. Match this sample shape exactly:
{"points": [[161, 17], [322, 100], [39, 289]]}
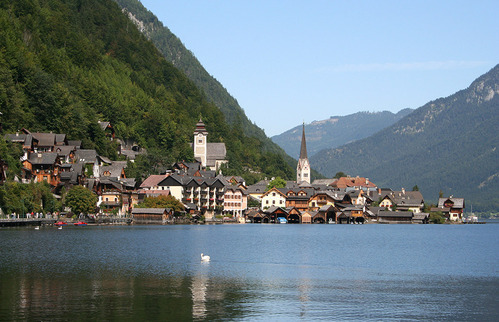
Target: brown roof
{"points": [[345, 182], [153, 180]]}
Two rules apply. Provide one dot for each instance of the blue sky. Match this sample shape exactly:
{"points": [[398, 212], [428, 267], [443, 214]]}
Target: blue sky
{"points": [[289, 62]]}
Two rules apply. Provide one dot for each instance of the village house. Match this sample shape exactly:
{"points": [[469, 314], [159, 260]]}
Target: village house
{"points": [[235, 201], [206, 194], [321, 198], [42, 167], [452, 208], [403, 201], [298, 198], [273, 198], [357, 183]]}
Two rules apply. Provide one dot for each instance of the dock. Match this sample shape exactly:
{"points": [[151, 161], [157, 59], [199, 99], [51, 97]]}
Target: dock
{"points": [[26, 222]]}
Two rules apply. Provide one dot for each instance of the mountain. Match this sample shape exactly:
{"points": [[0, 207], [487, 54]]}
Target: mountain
{"points": [[176, 53], [64, 65], [449, 145], [336, 131]]}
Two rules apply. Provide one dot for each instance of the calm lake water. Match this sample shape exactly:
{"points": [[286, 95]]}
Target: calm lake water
{"points": [[257, 272]]}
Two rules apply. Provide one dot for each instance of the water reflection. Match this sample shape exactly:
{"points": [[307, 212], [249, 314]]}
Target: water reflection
{"points": [[199, 288], [144, 281]]}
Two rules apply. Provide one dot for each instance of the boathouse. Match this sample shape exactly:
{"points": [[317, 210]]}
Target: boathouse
{"points": [[152, 215], [395, 217]]}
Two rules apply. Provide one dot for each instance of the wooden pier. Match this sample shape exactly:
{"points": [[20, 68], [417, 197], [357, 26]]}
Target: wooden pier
{"points": [[26, 222]]}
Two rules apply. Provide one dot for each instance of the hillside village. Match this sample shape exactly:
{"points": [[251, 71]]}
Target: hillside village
{"points": [[207, 195]]}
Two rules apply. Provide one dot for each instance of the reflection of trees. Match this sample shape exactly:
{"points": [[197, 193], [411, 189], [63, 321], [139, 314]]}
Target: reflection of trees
{"points": [[115, 296]]}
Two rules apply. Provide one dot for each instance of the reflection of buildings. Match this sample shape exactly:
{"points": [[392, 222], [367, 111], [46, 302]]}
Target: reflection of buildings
{"points": [[198, 289], [304, 289]]}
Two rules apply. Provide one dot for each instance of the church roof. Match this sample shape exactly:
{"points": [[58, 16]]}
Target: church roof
{"points": [[303, 149], [200, 128]]}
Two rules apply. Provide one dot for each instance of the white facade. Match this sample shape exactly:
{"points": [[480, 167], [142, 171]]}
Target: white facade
{"points": [[273, 197], [200, 148]]}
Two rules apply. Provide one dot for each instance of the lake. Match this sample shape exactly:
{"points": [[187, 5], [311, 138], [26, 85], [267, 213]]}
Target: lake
{"points": [[257, 272]]}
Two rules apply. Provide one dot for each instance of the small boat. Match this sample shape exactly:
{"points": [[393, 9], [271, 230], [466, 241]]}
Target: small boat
{"points": [[37, 228], [61, 223], [80, 223]]}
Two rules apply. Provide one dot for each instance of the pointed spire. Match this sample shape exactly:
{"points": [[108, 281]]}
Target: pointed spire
{"points": [[303, 150]]}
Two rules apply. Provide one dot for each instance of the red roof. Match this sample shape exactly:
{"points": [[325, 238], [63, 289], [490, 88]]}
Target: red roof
{"points": [[153, 180], [345, 182]]}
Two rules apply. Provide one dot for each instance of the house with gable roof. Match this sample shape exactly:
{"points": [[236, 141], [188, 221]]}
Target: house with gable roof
{"points": [[298, 197], [452, 208], [403, 201], [42, 167], [274, 197]]}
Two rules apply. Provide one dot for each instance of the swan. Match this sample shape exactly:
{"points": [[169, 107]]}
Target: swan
{"points": [[60, 227], [205, 258], [37, 228]]}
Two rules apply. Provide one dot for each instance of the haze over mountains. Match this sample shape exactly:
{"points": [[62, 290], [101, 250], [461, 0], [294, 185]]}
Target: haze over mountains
{"points": [[336, 131], [449, 145]]}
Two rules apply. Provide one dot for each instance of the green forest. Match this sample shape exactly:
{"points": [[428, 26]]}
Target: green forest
{"points": [[174, 51], [66, 64]]}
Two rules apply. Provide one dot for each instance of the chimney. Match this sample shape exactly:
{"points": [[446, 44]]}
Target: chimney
{"points": [[403, 191], [367, 181]]}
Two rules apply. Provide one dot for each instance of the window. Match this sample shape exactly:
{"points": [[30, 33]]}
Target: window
{"points": [[273, 202], [273, 194]]}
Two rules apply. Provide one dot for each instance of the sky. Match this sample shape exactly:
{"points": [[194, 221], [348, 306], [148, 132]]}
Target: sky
{"points": [[291, 62]]}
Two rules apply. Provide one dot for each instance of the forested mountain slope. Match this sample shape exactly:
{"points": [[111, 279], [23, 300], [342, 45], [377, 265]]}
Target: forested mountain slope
{"points": [[336, 131], [66, 64], [175, 52], [449, 145]]}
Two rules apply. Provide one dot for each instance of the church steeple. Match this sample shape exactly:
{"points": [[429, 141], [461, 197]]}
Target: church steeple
{"points": [[200, 143], [303, 167], [303, 149]]}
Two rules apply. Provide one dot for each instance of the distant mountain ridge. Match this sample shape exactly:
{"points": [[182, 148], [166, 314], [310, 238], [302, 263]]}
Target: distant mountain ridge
{"points": [[337, 131], [449, 145]]}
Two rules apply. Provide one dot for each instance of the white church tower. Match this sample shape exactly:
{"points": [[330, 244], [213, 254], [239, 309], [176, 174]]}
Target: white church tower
{"points": [[303, 167], [200, 143]]}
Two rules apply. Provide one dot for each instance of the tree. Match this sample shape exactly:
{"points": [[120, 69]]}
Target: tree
{"points": [[437, 217], [162, 202], [415, 188], [339, 175], [277, 182], [81, 200]]}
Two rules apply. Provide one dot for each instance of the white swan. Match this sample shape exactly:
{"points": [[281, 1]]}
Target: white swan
{"points": [[205, 258], [37, 228], [60, 227]]}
